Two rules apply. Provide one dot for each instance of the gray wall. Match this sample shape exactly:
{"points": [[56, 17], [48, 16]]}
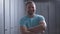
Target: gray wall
{"points": [[58, 16]]}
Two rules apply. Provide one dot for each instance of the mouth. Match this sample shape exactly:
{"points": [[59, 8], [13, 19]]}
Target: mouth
{"points": [[30, 13]]}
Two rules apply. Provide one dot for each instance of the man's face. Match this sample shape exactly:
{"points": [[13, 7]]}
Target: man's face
{"points": [[30, 9]]}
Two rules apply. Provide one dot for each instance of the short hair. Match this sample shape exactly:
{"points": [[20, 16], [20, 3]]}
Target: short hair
{"points": [[29, 2]]}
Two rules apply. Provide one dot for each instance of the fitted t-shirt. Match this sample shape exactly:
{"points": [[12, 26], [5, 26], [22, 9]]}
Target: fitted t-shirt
{"points": [[31, 22]]}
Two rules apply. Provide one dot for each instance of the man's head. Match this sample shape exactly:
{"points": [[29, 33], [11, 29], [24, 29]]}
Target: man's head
{"points": [[30, 7]]}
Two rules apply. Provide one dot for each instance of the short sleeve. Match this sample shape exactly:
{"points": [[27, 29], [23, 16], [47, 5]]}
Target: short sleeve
{"points": [[22, 22], [41, 18]]}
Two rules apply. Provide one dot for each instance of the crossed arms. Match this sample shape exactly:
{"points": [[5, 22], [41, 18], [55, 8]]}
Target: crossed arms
{"points": [[40, 28]]}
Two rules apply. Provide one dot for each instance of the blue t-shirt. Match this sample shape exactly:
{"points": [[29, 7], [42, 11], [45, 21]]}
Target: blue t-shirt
{"points": [[31, 22]]}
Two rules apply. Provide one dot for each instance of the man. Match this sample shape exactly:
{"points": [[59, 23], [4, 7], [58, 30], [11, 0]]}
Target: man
{"points": [[32, 23]]}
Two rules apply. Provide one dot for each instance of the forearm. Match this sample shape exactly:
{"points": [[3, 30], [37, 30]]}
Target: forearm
{"points": [[38, 28], [27, 32]]}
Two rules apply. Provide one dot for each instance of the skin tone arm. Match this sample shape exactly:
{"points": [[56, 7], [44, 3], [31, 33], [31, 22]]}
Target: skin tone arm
{"points": [[25, 31], [40, 28]]}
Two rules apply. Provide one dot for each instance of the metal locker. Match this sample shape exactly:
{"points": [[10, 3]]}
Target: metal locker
{"points": [[2, 21], [14, 11], [7, 17]]}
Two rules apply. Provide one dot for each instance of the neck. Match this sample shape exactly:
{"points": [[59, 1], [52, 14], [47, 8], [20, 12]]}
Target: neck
{"points": [[30, 16]]}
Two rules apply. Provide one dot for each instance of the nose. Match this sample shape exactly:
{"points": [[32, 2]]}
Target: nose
{"points": [[31, 8]]}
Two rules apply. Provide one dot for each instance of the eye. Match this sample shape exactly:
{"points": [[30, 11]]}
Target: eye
{"points": [[32, 7]]}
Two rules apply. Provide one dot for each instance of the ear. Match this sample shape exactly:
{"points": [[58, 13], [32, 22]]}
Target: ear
{"points": [[34, 6]]}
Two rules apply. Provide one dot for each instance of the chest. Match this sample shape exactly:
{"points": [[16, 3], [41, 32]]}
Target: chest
{"points": [[31, 22]]}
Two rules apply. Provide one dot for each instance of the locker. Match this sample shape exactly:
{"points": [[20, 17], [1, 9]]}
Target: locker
{"points": [[14, 13], [2, 17], [11, 11]]}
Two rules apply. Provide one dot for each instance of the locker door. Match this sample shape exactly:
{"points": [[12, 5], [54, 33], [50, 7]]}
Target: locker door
{"points": [[2, 17], [14, 11], [7, 17], [11, 11]]}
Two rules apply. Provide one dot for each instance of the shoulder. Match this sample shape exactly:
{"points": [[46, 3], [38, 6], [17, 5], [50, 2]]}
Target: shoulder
{"points": [[23, 18], [39, 16], [21, 21]]}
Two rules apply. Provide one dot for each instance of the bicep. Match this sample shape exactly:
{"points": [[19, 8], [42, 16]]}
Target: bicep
{"points": [[42, 21], [43, 25]]}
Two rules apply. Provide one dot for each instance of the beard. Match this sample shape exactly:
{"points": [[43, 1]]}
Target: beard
{"points": [[30, 13]]}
